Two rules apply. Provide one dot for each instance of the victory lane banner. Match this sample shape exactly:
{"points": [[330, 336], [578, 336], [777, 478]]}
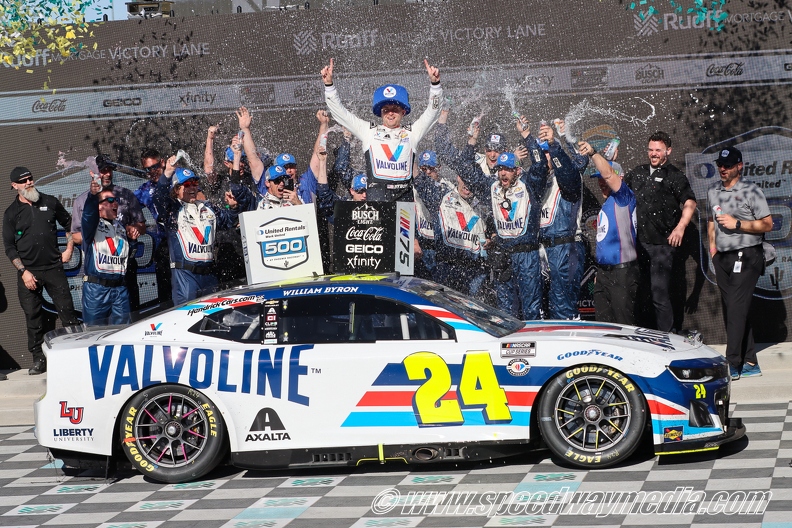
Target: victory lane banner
{"points": [[280, 243], [374, 237]]}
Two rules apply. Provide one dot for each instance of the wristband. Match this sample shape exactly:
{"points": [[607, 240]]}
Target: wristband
{"points": [[23, 270], [435, 83]]}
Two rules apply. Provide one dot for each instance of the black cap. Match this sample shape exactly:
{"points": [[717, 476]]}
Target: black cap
{"points": [[495, 141], [729, 157], [18, 173], [104, 162]]}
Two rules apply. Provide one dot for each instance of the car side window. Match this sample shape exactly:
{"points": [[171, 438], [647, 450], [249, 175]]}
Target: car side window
{"points": [[242, 324], [354, 318]]}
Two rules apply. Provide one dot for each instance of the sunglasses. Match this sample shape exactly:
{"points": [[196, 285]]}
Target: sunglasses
{"points": [[190, 183], [725, 166], [360, 191], [152, 168], [25, 180], [282, 179], [109, 199]]}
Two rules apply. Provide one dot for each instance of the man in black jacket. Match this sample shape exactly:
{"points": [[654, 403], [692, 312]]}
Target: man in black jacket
{"points": [[665, 205], [30, 238]]}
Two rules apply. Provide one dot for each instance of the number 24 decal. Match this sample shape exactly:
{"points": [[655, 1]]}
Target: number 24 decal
{"points": [[478, 388]]}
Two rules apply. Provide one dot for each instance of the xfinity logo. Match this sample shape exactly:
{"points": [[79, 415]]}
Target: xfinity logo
{"points": [[192, 98], [305, 42], [733, 69], [132, 101]]}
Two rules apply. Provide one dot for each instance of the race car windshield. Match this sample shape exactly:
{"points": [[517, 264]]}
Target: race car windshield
{"points": [[490, 319]]}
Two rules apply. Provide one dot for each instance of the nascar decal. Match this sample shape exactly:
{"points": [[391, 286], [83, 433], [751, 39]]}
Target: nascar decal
{"points": [[283, 243], [510, 209], [518, 349], [424, 390], [275, 372]]}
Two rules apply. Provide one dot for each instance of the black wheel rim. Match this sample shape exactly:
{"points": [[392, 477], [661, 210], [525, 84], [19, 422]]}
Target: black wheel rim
{"points": [[171, 430], [592, 413]]}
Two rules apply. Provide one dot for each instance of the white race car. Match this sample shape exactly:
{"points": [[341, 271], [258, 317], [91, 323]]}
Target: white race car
{"points": [[342, 370]]}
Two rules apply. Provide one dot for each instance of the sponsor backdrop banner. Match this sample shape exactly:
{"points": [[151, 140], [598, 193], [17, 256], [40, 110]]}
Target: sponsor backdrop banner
{"points": [[280, 243], [373, 237], [160, 83]]}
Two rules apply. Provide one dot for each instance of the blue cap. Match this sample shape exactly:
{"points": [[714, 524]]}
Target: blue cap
{"points": [[390, 94], [616, 168], [359, 183], [182, 175], [275, 172], [428, 158], [507, 160], [285, 159], [229, 155]]}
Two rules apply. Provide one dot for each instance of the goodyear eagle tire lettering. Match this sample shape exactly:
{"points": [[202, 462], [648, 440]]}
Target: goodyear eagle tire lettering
{"points": [[172, 433], [592, 416]]}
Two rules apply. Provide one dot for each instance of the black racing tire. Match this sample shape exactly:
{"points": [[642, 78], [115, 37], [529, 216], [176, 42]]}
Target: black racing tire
{"points": [[592, 416], [172, 433]]}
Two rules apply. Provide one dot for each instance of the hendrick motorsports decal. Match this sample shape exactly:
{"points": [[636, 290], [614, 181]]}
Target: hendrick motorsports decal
{"points": [[283, 243]]}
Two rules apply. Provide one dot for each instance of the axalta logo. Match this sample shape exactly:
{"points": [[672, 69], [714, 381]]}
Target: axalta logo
{"points": [[305, 42], [267, 427]]}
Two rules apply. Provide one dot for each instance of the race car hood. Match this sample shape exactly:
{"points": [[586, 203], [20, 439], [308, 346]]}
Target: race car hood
{"points": [[636, 338]]}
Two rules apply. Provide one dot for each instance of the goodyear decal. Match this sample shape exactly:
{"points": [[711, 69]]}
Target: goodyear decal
{"points": [[275, 372], [423, 390]]}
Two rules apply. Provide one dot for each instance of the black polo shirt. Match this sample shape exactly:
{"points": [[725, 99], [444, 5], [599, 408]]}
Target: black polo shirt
{"points": [[659, 198], [30, 232]]}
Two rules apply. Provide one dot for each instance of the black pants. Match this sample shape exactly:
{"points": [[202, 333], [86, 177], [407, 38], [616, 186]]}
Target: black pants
{"points": [[54, 281], [614, 294], [131, 279], [736, 294], [657, 261]]}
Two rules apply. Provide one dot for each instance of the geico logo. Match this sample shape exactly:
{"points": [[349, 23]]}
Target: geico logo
{"points": [[132, 101], [363, 248]]}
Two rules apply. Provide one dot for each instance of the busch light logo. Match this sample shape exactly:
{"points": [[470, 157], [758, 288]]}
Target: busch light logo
{"points": [[365, 214], [389, 92], [283, 243]]}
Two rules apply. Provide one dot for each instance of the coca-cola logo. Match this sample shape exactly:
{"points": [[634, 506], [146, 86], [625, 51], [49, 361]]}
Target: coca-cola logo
{"points": [[733, 69], [56, 105], [369, 234]]}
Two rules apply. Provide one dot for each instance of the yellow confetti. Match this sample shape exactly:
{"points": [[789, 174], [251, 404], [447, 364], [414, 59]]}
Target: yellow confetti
{"points": [[28, 71]]}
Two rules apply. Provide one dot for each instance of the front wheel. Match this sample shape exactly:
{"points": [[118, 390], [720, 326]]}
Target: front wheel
{"points": [[592, 416], [172, 433]]}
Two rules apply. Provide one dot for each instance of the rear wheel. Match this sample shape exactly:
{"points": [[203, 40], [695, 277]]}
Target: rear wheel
{"points": [[172, 433], [592, 416]]}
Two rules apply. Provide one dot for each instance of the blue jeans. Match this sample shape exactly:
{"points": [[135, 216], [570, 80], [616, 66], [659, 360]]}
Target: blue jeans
{"points": [[567, 263], [102, 305], [521, 295], [188, 286]]}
